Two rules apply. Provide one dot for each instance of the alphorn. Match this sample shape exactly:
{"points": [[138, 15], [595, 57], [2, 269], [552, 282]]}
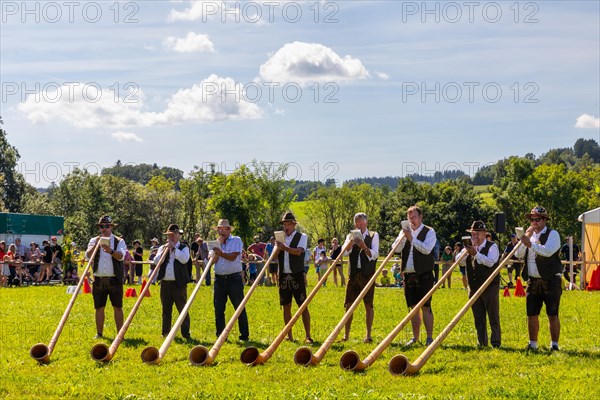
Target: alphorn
{"points": [[350, 360], [152, 355], [101, 352], [40, 352], [250, 355], [200, 355], [304, 355], [399, 364]]}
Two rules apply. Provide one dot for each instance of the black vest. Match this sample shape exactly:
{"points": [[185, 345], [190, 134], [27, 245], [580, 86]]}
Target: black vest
{"points": [[478, 273], [367, 267], [182, 276], [117, 265], [423, 262], [296, 262], [548, 267]]}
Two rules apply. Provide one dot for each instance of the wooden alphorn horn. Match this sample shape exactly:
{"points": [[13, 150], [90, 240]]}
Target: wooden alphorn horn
{"points": [[350, 360], [152, 355], [101, 352], [399, 364], [40, 352], [304, 355], [200, 355], [250, 355]]}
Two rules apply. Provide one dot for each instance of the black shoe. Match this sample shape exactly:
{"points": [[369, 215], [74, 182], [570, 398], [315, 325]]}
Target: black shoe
{"points": [[98, 336], [244, 339], [187, 337], [554, 347]]}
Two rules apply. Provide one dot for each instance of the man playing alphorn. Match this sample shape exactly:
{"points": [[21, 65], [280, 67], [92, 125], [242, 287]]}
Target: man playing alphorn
{"points": [[292, 278]]}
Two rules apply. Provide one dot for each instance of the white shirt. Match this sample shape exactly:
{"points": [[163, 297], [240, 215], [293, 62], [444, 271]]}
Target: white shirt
{"points": [[233, 244], [105, 263], [317, 252], [552, 245], [286, 256], [425, 247], [374, 247], [181, 255], [463, 263], [492, 256]]}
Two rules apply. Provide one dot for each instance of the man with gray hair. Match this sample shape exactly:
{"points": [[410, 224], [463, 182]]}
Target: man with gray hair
{"points": [[363, 259]]}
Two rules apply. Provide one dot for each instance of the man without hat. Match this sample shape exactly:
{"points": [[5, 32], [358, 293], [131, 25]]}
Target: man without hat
{"points": [[174, 276], [543, 269], [482, 260], [517, 264], [108, 273], [292, 277], [228, 278]]}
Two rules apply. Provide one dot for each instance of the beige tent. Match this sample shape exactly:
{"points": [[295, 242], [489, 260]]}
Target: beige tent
{"points": [[590, 240]]}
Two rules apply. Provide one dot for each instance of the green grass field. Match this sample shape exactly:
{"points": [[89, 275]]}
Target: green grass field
{"points": [[458, 369]]}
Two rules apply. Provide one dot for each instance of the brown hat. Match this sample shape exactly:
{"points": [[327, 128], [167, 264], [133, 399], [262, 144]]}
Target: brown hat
{"points": [[288, 217], [105, 220], [538, 212], [477, 226], [223, 223], [173, 228]]}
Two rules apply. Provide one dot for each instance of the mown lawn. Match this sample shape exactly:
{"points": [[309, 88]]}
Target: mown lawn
{"points": [[458, 369]]}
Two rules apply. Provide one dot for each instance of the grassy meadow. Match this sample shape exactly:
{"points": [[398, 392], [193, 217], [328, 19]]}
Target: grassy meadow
{"points": [[458, 369]]}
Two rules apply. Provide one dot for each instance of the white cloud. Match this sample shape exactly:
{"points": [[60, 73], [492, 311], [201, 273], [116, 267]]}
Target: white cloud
{"points": [[586, 121], [204, 10], [382, 75], [192, 43], [311, 62], [213, 99], [122, 137]]}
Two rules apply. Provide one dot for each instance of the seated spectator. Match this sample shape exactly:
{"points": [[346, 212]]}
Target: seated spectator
{"points": [[385, 280], [397, 273], [4, 270]]}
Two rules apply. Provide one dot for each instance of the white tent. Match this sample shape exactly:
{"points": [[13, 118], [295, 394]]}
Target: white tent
{"points": [[590, 241]]}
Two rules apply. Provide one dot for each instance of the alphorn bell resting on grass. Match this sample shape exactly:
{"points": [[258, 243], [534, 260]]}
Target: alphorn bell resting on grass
{"points": [[40, 352], [416, 243], [108, 273]]}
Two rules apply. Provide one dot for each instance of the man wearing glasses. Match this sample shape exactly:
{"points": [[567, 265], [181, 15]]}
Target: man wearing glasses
{"points": [[541, 245], [108, 273]]}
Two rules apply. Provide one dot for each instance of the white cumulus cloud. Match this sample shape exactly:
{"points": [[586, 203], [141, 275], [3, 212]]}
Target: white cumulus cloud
{"points": [[311, 62], [213, 99], [587, 121], [122, 137], [192, 43], [382, 75]]}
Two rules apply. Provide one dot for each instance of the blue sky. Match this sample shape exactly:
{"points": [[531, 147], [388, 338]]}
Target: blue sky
{"points": [[387, 88]]}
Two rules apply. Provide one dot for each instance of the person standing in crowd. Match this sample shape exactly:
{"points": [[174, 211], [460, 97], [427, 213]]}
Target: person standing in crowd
{"points": [[543, 270], [447, 257], [417, 267], [516, 263], [459, 249], [292, 278], [108, 273], [228, 278], [482, 261], [57, 253], [46, 270], [200, 254], [317, 254], [334, 252], [21, 249], [363, 259], [138, 256], [153, 250], [273, 266], [173, 276]]}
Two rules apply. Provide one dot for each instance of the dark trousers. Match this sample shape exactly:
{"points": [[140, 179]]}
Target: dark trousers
{"points": [[229, 286], [171, 293], [487, 305]]}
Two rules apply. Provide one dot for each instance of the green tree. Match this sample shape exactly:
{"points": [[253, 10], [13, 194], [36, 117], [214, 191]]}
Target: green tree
{"points": [[237, 198], [13, 184], [331, 211], [276, 195]]}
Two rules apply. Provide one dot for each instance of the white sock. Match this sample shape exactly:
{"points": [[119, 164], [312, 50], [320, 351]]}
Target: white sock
{"points": [[533, 344], [553, 344]]}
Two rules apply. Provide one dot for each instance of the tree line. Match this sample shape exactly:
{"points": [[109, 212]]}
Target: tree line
{"points": [[144, 199]]}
